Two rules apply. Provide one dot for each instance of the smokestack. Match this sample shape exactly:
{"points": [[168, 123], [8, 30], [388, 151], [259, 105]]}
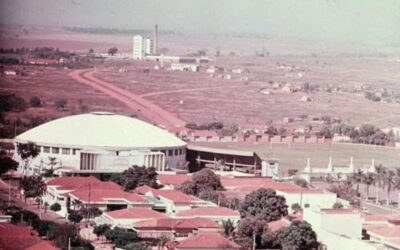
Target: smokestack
{"points": [[156, 40]]}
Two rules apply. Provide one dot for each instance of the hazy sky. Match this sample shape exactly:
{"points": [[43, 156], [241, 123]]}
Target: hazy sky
{"points": [[334, 19]]}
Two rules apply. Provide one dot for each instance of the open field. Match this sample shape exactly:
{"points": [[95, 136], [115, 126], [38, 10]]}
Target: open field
{"points": [[294, 156], [197, 97]]}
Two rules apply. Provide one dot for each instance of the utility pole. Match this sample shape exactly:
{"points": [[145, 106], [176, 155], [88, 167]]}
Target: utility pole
{"points": [[9, 192], [88, 209], [254, 240], [69, 243]]}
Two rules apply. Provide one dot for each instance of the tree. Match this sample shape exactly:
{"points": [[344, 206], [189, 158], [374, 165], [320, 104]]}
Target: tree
{"points": [[357, 178], [24, 216], [52, 162], [295, 207], [264, 204], [7, 164], [389, 183], [162, 241], [55, 207], [249, 228], [63, 233], [112, 51], [379, 180], [228, 227], [33, 186], [368, 180], [74, 217], [136, 176], [27, 152], [137, 246], [204, 180], [337, 205], [100, 230], [44, 227], [61, 103], [299, 235], [301, 182], [35, 101], [121, 237], [91, 51]]}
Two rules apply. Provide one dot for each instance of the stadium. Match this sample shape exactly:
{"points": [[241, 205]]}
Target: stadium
{"points": [[100, 142]]}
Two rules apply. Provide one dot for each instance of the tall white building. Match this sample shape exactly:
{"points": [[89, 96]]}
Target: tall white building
{"points": [[141, 47]]}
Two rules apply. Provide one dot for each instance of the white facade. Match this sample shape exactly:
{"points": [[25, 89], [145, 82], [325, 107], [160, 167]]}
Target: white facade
{"points": [[338, 229], [318, 199], [185, 67], [101, 143], [141, 47]]}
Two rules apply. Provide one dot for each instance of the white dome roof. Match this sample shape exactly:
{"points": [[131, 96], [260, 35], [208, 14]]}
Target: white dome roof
{"points": [[100, 129]]}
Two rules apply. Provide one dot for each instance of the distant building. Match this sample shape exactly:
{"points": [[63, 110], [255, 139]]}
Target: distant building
{"points": [[142, 46], [185, 67], [10, 73]]}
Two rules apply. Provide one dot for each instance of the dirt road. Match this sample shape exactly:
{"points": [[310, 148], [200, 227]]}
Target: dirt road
{"points": [[146, 108]]}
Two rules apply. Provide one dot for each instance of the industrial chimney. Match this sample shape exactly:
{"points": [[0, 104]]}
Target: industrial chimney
{"points": [[156, 40]]}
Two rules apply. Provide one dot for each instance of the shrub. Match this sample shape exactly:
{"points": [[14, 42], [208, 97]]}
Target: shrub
{"points": [[55, 207], [35, 101], [75, 217]]}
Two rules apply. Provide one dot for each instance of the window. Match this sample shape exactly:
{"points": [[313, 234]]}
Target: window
{"points": [[66, 151], [74, 151], [55, 150], [176, 151], [180, 151], [46, 149], [170, 152]]}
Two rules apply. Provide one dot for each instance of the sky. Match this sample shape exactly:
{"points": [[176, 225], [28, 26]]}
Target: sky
{"points": [[328, 19]]}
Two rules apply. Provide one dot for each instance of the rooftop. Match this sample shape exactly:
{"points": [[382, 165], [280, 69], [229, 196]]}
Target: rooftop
{"points": [[135, 213], [176, 223], [385, 231], [207, 241], [208, 211], [176, 179], [106, 195], [72, 182]]}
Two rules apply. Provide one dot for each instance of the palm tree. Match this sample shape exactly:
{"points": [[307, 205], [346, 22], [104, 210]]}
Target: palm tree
{"points": [[357, 178], [379, 181], [389, 182], [52, 162], [368, 180]]}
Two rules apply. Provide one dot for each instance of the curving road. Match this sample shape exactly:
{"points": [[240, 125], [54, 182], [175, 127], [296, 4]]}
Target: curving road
{"points": [[149, 110]]}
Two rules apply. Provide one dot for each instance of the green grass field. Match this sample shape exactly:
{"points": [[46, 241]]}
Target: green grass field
{"points": [[294, 156]]}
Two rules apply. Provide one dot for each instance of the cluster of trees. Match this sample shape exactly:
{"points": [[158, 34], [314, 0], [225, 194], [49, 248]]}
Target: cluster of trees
{"points": [[257, 209], [122, 238], [136, 176], [384, 178], [39, 52], [10, 128], [9, 60], [372, 97], [205, 126], [60, 234], [12, 102], [367, 134]]}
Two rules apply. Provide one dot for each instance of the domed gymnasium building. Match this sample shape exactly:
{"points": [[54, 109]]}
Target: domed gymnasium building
{"points": [[101, 142]]}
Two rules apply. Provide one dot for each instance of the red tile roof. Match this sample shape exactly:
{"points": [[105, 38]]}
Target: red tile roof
{"points": [[13, 237], [339, 211], [208, 241], [135, 213], [278, 224], [43, 245], [176, 223], [177, 196], [385, 231], [143, 189], [102, 195], [208, 211], [176, 179], [71, 183]]}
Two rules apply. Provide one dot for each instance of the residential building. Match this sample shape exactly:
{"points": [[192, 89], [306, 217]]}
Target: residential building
{"points": [[207, 241], [217, 214], [142, 46], [128, 216], [174, 228], [185, 67]]}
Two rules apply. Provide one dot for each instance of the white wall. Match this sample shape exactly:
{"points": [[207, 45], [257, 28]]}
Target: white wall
{"points": [[322, 200]]}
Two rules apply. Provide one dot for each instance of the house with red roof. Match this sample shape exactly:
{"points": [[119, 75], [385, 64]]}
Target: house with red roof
{"points": [[128, 216], [58, 189], [172, 181], [16, 237], [217, 214], [174, 228], [107, 198], [174, 201], [382, 233], [239, 187], [207, 241]]}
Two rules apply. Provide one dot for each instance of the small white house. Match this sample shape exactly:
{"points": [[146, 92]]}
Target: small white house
{"points": [[185, 67]]}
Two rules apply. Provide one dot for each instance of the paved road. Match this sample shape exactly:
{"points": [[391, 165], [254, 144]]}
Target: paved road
{"points": [[149, 110], [29, 205]]}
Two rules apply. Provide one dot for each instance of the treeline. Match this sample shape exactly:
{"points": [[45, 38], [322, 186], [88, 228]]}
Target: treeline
{"points": [[205, 126], [366, 134], [9, 60], [39, 52], [102, 30]]}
